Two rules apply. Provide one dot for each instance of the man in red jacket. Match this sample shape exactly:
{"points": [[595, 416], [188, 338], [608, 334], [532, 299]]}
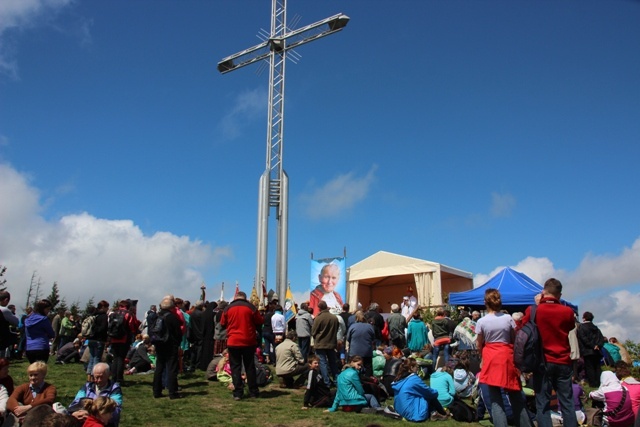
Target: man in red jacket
{"points": [[554, 321], [121, 338], [241, 319]]}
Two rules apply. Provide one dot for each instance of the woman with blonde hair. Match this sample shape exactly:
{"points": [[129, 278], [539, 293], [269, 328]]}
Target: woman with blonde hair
{"points": [[495, 336], [29, 395]]}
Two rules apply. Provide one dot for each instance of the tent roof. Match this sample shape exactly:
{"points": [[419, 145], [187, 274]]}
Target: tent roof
{"points": [[516, 289], [383, 264]]}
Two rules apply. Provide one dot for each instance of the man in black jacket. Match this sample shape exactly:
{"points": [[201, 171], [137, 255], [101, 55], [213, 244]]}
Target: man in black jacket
{"points": [[167, 352], [197, 333], [590, 340], [375, 319]]}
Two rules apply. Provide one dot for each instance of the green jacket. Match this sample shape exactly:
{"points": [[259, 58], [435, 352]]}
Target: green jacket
{"points": [[349, 390], [66, 327]]}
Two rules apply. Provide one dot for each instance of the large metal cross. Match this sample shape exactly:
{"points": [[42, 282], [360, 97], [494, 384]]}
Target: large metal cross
{"points": [[274, 182]]}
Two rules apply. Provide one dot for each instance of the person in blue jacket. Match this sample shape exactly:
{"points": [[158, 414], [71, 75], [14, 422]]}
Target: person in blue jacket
{"points": [[413, 399], [442, 380], [349, 392]]}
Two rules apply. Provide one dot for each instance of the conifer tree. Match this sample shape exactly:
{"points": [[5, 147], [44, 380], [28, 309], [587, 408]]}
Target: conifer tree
{"points": [[3, 282], [54, 296]]}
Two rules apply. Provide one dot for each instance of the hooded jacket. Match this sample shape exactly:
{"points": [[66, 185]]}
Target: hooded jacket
{"points": [[304, 322], [612, 393], [39, 332], [411, 398], [463, 382], [443, 383]]}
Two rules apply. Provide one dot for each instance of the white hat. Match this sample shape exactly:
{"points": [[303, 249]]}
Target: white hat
{"points": [[460, 375]]}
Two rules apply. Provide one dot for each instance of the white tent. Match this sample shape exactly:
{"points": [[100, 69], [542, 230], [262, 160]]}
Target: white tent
{"points": [[385, 278]]}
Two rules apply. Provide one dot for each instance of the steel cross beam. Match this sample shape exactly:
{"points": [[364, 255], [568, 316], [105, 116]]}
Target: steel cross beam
{"points": [[274, 182]]}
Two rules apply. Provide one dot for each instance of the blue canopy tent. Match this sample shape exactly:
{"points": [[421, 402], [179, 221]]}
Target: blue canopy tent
{"points": [[517, 290]]}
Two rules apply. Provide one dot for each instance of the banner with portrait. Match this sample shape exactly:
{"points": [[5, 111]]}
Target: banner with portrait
{"points": [[328, 283]]}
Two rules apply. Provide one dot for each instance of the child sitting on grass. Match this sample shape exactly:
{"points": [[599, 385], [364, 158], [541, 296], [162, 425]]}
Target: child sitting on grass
{"points": [[317, 394], [100, 411], [224, 370]]}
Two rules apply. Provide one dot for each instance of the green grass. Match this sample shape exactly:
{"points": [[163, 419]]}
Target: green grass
{"points": [[207, 403]]}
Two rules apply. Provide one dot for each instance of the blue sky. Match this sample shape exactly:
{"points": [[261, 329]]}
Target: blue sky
{"points": [[477, 134]]}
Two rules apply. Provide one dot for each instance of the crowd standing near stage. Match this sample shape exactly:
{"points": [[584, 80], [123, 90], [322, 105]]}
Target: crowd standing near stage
{"points": [[466, 365]]}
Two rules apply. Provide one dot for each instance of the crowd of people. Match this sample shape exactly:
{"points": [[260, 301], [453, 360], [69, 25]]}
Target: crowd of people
{"points": [[358, 361]]}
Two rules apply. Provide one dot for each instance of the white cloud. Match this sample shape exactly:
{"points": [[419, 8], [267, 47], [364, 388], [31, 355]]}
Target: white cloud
{"points": [[20, 15], [247, 106], [597, 285], [598, 271], [93, 257], [502, 205], [616, 314], [338, 195]]}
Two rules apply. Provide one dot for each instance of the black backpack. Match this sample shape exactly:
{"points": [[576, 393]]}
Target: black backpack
{"points": [[158, 331], [527, 348], [117, 327], [462, 412], [263, 375]]}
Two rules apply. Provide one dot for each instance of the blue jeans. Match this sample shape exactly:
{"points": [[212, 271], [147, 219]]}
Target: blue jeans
{"points": [[372, 401], [269, 346], [498, 410], [305, 346], [328, 361], [96, 349], [436, 351], [555, 377]]}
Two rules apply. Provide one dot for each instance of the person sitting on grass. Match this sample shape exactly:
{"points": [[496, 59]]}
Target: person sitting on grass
{"points": [[379, 361], [413, 399], [317, 394], [615, 400], [290, 362], [101, 387], [34, 393], [140, 360], [623, 372], [69, 352], [442, 380], [350, 394], [393, 360], [100, 411], [55, 419], [224, 370]]}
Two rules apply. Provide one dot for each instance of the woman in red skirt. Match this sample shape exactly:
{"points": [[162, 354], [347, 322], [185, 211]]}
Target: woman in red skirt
{"points": [[495, 337]]}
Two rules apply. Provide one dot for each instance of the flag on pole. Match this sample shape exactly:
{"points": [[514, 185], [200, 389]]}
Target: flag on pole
{"points": [[289, 305], [265, 297]]}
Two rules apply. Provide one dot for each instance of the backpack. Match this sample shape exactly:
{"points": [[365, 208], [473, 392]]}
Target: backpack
{"points": [[87, 326], [527, 348], [372, 385], [263, 375], [158, 331], [116, 327], [462, 412]]}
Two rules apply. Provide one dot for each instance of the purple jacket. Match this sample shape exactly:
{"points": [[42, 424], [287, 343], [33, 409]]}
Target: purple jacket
{"points": [[39, 332]]}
